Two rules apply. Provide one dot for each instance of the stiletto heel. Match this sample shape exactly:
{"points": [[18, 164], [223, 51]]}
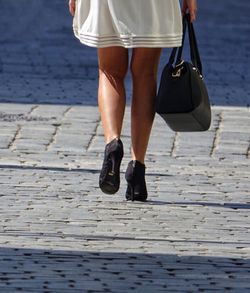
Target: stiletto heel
{"points": [[130, 192], [135, 176], [109, 180], [114, 165]]}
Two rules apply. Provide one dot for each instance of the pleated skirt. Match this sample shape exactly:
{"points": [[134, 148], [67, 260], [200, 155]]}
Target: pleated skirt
{"points": [[128, 23]]}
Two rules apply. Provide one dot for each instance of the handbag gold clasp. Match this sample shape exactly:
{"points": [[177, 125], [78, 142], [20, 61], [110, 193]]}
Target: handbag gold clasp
{"points": [[178, 69]]}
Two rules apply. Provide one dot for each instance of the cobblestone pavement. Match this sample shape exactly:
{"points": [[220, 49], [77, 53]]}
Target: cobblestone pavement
{"points": [[58, 232]]}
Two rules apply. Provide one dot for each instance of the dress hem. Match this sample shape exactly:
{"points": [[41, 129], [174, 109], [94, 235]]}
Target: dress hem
{"points": [[160, 41]]}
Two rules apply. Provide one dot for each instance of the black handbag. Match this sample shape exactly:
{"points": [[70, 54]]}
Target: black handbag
{"points": [[182, 99]]}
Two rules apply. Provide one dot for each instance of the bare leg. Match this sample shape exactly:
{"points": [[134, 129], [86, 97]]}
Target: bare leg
{"points": [[113, 66], [144, 65]]}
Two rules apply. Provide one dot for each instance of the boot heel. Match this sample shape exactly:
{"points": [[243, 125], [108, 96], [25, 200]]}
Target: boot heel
{"points": [[116, 163], [130, 192], [113, 165], [135, 176]]}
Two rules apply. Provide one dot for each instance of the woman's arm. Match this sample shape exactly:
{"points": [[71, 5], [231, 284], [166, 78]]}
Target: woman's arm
{"points": [[72, 7], [191, 7]]}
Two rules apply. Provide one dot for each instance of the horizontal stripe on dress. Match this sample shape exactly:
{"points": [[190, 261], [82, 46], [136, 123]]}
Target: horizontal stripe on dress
{"points": [[130, 41]]}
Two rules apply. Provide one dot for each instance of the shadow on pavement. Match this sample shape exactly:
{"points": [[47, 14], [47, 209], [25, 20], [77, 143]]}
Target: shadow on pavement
{"points": [[39, 270], [41, 61], [231, 205]]}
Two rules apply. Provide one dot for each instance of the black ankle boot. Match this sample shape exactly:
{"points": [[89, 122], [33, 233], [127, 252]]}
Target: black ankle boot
{"points": [[135, 176], [109, 180]]}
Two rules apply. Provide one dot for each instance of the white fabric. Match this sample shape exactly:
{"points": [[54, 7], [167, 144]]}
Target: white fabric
{"points": [[128, 23]]}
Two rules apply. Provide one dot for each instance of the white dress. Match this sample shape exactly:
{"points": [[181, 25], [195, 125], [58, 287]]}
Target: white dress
{"points": [[128, 23]]}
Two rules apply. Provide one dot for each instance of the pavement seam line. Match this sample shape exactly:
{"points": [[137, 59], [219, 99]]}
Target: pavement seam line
{"points": [[32, 109], [53, 137], [174, 147], [94, 134], [14, 139], [217, 134], [67, 111], [57, 127], [248, 151]]}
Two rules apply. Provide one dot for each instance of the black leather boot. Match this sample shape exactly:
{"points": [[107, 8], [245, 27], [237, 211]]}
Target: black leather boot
{"points": [[109, 180], [135, 176]]}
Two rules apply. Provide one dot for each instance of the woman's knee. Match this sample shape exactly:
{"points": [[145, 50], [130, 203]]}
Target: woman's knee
{"points": [[113, 62], [144, 62]]}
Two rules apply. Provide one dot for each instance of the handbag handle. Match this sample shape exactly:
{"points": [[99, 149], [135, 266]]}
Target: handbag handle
{"points": [[194, 51]]}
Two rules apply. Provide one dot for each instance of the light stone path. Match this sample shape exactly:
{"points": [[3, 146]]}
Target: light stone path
{"points": [[59, 233]]}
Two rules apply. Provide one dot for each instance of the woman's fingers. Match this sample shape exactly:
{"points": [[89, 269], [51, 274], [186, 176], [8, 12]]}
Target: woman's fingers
{"points": [[184, 7], [72, 7], [191, 7], [193, 11]]}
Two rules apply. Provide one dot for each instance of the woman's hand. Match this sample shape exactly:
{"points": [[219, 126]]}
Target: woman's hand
{"points": [[72, 7], [191, 7]]}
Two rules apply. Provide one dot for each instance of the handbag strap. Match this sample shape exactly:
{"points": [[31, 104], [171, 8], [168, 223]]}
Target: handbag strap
{"points": [[195, 55], [194, 51], [180, 49]]}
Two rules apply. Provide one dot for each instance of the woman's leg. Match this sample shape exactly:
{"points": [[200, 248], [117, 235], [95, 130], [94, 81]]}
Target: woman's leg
{"points": [[113, 66], [144, 65]]}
